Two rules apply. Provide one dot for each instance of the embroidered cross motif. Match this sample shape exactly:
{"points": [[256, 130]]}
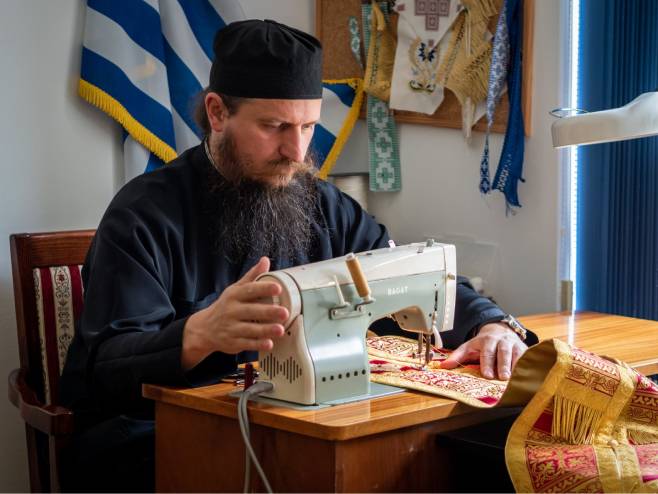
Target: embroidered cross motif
{"points": [[432, 10], [385, 175], [384, 145], [379, 114]]}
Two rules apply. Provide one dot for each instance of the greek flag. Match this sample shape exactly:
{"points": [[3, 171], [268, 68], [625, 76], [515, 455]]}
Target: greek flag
{"points": [[144, 62], [341, 104]]}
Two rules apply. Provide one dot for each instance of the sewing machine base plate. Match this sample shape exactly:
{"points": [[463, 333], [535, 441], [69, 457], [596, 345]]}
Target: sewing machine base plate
{"points": [[376, 390]]}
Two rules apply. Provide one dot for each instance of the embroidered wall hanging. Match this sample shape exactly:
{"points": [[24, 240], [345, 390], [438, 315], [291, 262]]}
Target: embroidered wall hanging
{"points": [[339, 62], [421, 27], [333, 29], [355, 39], [589, 424], [383, 148], [465, 65], [497, 79], [381, 55], [510, 167]]}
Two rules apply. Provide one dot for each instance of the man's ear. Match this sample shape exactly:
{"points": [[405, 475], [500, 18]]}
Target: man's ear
{"points": [[216, 111]]}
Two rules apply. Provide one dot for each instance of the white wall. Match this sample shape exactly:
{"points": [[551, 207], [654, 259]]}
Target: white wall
{"points": [[58, 169], [61, 165]]}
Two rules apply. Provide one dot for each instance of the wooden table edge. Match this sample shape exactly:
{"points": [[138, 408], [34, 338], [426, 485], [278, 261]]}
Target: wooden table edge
{"points": [[263, 414]]}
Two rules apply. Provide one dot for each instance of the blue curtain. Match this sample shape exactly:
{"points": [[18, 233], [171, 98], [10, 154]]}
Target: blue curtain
{"points": [[617, 235]]}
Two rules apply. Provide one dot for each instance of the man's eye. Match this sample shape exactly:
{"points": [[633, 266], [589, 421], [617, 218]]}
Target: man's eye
{"points": [[308, 127]]}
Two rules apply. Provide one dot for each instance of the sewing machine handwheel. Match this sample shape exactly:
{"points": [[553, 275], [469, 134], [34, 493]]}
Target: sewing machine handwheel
{"points": [[289, 297]]}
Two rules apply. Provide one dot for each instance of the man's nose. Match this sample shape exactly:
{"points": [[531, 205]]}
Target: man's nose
{"points": [[293, 146]]}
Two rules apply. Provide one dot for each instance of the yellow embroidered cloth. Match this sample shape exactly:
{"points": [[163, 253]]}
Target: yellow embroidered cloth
{"points": [[589, 424], [381, 54]]}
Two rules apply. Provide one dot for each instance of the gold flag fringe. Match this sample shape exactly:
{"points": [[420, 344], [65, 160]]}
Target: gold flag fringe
{"points": [[106, 103]]}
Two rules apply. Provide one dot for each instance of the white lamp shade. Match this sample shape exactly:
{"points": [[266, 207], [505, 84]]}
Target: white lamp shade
{"points": [[639, 118]]}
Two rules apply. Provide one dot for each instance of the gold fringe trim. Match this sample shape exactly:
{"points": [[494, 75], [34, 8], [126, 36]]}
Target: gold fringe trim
{"points": [[353, 82], [481, 9], [102, 100], [574, 422], [465, 67], [348, 125], [639, 436], [457, 32], [470, 76]]}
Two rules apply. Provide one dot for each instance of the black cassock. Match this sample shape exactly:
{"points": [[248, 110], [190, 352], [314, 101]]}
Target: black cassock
{"points": [[153, 263]]}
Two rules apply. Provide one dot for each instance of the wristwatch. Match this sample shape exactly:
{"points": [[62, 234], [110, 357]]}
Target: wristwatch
{"points": [[515, 326]]}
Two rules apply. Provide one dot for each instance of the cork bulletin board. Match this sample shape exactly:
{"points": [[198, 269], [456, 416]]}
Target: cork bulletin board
{"points": [[331, 21]]}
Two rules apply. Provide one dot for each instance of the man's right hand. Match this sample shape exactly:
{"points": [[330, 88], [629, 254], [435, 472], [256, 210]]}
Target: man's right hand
{"points": [[236, 321]]}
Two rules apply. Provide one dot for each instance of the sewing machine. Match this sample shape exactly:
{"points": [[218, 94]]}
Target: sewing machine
{"points": [[322, 357]]}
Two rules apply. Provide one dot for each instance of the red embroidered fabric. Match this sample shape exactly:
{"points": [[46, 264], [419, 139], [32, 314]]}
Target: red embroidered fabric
{"points": [[395, 361]]}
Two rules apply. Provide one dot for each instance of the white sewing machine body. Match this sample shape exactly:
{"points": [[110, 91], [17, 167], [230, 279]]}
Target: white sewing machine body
{"points": [[322, 357]]}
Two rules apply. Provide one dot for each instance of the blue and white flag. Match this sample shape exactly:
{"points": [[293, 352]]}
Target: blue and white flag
{"points": [[145, 61], [341, 104]]}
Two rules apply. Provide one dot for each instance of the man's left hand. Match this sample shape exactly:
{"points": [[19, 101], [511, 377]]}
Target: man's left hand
{"points": [[497, 348]]}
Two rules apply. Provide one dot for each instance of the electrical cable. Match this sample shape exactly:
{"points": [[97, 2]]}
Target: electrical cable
{"points": [[243, 419]]}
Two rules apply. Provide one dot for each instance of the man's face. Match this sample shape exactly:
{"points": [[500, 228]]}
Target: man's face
{"points": [[270, 139]]}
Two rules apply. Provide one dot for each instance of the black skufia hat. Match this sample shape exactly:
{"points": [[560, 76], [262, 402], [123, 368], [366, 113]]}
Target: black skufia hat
{"points": [[265, 59]]}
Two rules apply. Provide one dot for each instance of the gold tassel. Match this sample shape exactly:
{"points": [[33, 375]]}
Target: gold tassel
{"points": [[639, 436], [574, 422]]}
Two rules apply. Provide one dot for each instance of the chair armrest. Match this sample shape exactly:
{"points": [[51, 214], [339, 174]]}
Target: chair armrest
{"points": [[50, 419]]}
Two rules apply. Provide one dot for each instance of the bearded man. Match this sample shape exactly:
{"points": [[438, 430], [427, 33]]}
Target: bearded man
{"points": [[170, 290]]}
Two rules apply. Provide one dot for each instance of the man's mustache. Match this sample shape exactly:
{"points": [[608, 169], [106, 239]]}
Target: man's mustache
{"points": [[297, 166]]}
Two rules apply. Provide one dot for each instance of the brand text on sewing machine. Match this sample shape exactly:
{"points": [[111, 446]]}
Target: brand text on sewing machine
{"points": [[398, 290]]}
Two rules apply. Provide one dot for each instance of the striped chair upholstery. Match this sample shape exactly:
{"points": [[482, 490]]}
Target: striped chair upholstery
{"points": [[58, 292]]}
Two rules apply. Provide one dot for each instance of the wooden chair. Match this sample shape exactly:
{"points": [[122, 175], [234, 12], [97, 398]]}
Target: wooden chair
{"points": [[48, 297]]}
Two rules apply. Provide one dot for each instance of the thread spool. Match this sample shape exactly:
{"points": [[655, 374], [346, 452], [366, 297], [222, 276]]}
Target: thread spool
{"points": [[360, 282], [355, 186]]}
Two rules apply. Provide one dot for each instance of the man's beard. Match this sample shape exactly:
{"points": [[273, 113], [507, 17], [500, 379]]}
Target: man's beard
{"points": [[252, 218]]}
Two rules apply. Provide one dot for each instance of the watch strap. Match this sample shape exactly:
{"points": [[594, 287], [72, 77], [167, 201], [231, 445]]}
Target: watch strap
{"points": [[513, 323]]}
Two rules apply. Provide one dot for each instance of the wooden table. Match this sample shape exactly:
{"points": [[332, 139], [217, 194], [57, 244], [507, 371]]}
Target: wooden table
{"points": [[635, 341], [385, 444]]}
